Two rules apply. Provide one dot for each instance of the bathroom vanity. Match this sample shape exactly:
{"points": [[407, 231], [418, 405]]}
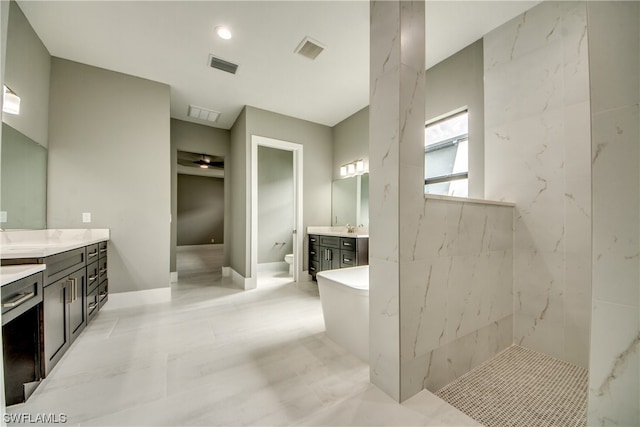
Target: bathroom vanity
{"points": [[65, 294], [332, 248]]}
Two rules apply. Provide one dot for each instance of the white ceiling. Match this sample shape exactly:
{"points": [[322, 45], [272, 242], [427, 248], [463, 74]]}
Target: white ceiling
{"points": [[170, 42]]}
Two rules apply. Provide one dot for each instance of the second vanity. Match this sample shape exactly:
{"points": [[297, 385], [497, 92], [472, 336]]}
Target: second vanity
{"points": [[64, 276], [331, 248]]}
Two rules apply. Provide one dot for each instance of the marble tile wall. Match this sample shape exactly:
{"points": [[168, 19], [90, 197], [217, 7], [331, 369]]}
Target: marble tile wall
{"points": [[456, 299], [614, 66], [396, 128], [538, 155]]}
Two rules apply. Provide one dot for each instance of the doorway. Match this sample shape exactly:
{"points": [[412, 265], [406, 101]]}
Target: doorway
{"points": [[261, 250]]}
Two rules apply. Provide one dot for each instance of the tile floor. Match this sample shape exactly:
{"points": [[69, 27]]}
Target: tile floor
{"points": [[216, 355]]}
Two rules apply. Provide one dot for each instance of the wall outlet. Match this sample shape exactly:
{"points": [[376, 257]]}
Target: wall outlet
{"points": [[3, 216], [86, 216], [213, 240]]}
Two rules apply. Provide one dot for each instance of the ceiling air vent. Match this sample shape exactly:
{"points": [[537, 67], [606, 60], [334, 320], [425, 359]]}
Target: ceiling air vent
{"points": [[223, 65], [309, 48], [203, 114]]}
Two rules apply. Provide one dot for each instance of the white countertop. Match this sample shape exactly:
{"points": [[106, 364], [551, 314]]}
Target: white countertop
{"points": [[43, 243], [339, 231], [12, 273]]}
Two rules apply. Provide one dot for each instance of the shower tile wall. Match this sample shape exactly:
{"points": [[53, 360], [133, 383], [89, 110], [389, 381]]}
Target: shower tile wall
{"points": [[614, 65], [538, 155], [456, 299]]}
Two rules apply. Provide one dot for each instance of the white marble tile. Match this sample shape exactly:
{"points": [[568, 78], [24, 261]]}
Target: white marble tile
{"points": [[613, 72], [614, 368], [384, 324], [616, 206]]}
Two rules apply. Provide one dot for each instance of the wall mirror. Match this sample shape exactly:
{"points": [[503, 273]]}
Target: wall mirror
{"points": [[23, 178], [350, 201]]}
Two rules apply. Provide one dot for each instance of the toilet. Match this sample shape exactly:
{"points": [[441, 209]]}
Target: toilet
{"points": [[289, 259]]}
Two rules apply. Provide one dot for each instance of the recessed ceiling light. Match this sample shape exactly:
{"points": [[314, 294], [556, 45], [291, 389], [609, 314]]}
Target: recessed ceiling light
{"points": [[223, 32]]}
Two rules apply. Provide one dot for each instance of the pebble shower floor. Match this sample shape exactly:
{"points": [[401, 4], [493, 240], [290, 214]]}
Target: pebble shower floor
{"points": [[521, 387]]}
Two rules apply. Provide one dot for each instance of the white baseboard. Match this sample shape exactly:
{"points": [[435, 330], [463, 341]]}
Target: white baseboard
{"points": [[173, 277], [273, 266], [245, 283], [136, 298]]}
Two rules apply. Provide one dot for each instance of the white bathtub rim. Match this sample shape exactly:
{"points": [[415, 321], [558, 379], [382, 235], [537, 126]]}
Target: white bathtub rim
{"points": [[344, 277]]}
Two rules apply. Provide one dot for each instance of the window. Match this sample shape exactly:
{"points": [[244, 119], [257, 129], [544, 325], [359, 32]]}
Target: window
{"points": [[446, 153]]}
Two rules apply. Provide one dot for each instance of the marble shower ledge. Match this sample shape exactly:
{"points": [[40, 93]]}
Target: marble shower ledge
{"points": [[43, 243], [361, 232], [467, 200], [13, 273]]}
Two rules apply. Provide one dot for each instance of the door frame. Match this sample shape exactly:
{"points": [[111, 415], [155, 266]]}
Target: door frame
{"points": [[297, 150]]}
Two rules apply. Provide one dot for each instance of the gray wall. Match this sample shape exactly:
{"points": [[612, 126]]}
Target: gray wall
{"points": [[275, 204], [27, 73], [200, 216], [351, 141], [458, 82], [317, 168], [238, 219], [196, 138], [614, 70], [109, 154]]}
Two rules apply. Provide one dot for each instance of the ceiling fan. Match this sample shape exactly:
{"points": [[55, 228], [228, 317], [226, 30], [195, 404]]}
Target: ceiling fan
{"points": [[206, 163]]}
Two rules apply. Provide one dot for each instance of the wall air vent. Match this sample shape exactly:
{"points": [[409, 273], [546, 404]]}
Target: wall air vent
{"points": [[223, 65], [309, 48], [203, 114]]}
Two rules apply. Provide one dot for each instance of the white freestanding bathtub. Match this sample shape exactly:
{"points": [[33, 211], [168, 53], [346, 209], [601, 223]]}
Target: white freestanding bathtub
{"points": [[344, 295]]}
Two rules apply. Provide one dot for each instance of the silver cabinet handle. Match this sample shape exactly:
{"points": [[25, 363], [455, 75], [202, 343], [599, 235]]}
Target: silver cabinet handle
{"points": [[103, 270], [74, 289], [92, 254], [93, 305], [92, 278], [103, 251], [16, 302], [347, 260], [346, 244]]}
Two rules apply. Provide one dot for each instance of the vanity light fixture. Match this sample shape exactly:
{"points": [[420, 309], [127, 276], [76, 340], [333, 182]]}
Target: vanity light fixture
{"points": [[10, 101], [354, 168], [223, 32]]}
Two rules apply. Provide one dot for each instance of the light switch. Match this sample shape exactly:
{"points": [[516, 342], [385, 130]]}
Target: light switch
{"points": [[86, 217], [3, 216]]}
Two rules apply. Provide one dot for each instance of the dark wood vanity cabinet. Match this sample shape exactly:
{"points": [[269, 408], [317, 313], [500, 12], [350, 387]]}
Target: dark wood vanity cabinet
{"points": [[64, 306], [332, 252], [75, 287]]}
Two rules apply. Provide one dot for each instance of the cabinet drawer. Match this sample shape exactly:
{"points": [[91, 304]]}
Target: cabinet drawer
{"points": [[313, 240], [92, 276], [102, 270], [330, 241], [313, 267], [92, 253], [314, 253], [348, 243], [93, 304], [60, 265], [102, 249], [103, 293], [20, 296], [347, 259]]}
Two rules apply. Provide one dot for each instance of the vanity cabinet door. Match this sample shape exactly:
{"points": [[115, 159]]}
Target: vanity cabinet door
{"points": [[78, 305], [330, 258], [57, 298]]}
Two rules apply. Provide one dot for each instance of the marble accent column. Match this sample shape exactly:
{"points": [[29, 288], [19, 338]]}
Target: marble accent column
{"points": [[614, 67], [396, 145]]}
